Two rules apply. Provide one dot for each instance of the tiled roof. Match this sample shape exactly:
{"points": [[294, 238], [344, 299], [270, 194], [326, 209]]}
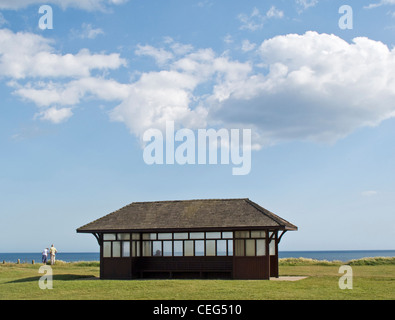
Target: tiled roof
{"points": [[188, 214]]}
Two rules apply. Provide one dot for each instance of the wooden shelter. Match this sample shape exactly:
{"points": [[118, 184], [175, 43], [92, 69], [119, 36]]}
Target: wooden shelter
{"points": [[216, 238]]}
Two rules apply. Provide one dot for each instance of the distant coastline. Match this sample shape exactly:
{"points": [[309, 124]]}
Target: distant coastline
{"points": [[340, 255]]}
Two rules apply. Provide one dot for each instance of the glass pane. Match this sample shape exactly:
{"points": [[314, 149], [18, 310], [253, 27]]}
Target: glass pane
{"points": [[260, 248], [272, 248], [109, 236], [197, 235], [221, 247], [135, 236], [116, 249], [125, 249], [213, 235], [146, 248], [106, 249], [239, 247], [242, 234], [181, 235], [149, 236], [250, 247], [257, 234], [135, 248], [157, 248], [199, 248], [230, 247], [123, 236], [178, 248], [164, 236], [168, 248], [188, 248], [138, 253], [227, 235], [210, 247]]}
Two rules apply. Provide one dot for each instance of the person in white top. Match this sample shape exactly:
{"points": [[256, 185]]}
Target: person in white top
{"points": [[45, 255]]}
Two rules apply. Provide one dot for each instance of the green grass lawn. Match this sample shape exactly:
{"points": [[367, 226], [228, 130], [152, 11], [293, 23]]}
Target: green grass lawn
{"points": [[371, 280]]}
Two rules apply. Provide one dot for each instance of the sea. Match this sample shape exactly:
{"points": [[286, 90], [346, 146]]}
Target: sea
{"points": [[341, 255]]}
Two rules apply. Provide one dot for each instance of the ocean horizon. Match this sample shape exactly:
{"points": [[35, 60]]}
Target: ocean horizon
{"points": [[329, 255]]}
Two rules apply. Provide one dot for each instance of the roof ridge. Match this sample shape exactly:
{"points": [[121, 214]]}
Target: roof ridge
{"points": [[189, 200]]}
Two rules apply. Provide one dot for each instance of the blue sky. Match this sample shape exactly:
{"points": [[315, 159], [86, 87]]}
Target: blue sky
{"points": [[77, 99]]}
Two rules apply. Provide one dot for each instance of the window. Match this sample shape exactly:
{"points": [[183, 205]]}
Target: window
{"points": [[250, 247], [147, 248], [168, 248], [181, 235], [116, 249], [213, 235], [199, 247], [260, 247], [164, 236], [123, 236], [210, 247], [178, 244], [258, 234], [242, 234], [239, 247], [106, 249], [157, 248], [149, 236], [116, 245], [227, 235], [221, 247], [189, 248], [196, 235], [109, 236], [125, 249], [230, 247], [178, 248], [135, 248]]}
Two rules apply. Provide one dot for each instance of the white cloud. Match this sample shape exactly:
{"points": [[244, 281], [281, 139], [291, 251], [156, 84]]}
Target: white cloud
{"points": [[89, 5], [161, 56], [380, 3], [87, 32], [59, 79], [305, 4], [317, 87], [247, 46], [55, 115], [26, 54], [256, 20], [274, 13]]}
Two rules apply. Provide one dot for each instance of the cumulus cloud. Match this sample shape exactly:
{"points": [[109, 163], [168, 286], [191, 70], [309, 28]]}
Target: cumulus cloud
{"points": [[89, 5], [311, 86], [316, 87], [25, 54], [59, 79]]}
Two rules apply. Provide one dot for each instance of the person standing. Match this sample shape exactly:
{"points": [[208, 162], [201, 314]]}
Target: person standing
{"points": [[52, 252], [45, 255]]}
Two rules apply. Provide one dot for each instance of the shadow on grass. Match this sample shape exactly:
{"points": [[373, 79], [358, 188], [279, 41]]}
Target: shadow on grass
{"points": [[62, 277]]}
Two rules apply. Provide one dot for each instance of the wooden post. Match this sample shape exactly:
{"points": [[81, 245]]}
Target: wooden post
{"points": [[18, 261], [32, 261]]}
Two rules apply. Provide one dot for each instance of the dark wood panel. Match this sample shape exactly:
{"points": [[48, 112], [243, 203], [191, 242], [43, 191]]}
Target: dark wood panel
{"points": [[251, 268]]}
